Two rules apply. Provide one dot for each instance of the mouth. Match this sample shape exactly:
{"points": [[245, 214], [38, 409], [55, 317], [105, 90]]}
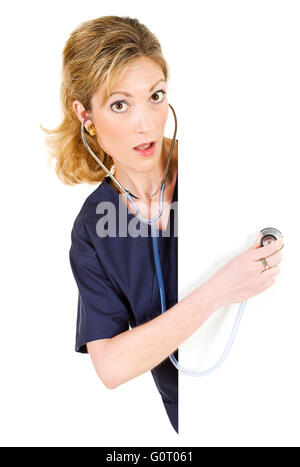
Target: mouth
{"points": [[146, 149]]}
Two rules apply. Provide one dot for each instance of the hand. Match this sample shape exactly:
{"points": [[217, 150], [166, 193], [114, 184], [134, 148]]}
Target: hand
{"points": [[244, 276]]}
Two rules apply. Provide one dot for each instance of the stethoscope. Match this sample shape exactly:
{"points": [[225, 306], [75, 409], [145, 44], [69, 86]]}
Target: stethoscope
{"points": [[269, 234], [128, 193]]}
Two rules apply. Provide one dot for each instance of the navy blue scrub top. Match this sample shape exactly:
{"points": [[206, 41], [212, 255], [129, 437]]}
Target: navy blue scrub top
{"points": [[117, 284]]}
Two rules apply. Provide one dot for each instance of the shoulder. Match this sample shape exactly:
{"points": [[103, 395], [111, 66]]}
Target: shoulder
{"points": [[89, 212]]}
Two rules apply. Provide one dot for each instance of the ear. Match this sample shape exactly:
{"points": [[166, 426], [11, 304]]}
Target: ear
{"points": [[81, 113]]}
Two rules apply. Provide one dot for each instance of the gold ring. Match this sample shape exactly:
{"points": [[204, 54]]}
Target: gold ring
{"points": [[264, 261]]}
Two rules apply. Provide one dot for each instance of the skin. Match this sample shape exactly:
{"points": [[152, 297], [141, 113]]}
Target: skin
{"points": [[140, 349], [122, 126], [133, 352]]}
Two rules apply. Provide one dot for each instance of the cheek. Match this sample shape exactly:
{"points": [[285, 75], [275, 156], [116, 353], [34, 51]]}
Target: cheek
{"points": [[111, 136], [164, 115]]}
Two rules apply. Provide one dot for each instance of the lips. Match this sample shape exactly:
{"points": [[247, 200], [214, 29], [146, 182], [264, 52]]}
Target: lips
{"points": [[144, 146], [146, 152]]}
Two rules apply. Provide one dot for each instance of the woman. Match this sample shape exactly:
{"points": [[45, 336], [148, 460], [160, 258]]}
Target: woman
{"points": [[115, 274]]}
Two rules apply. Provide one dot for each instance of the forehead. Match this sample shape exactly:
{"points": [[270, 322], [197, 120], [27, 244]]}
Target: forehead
{"points": [[141, 71], [138, 76]]}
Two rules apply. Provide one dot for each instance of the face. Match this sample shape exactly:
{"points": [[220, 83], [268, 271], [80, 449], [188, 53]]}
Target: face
{"points": [[126, 121]]}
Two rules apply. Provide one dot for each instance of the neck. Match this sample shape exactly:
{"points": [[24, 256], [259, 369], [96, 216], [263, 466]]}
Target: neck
{"points": [[143, 184]]}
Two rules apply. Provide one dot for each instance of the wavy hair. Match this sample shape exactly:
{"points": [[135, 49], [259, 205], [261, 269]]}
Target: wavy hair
{"points": [[97, 53]]}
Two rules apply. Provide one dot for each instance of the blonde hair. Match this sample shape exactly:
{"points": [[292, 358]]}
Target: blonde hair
{"points": [[97, 53]]}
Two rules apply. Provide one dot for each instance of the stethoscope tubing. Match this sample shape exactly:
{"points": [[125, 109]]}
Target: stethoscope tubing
{"points": [[159, 276], [125, 192], [161, 289]]}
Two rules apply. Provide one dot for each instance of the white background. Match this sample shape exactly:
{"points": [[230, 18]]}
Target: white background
{"points": [[235, 87]]}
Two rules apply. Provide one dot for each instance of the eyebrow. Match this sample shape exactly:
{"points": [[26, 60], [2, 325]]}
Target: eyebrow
{"points": [[129, 95]]}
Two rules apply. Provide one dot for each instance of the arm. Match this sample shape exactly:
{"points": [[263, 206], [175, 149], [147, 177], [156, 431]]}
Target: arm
{"points": [[138, 350]]}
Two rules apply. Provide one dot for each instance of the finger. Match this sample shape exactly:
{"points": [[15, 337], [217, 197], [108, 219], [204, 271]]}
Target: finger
{"points": [[275, 257], [272, 261], [268, 250], [271, 272]]}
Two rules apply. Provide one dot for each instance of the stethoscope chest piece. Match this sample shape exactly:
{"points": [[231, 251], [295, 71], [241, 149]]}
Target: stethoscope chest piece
{"points": [[270, 235]]}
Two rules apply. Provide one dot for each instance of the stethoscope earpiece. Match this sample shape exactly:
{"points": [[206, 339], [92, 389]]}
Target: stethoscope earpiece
{"points": [[127, 193], [270, 235]]}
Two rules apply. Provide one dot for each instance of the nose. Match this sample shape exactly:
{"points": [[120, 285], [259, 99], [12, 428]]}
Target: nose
{"points": [[145, 121]]}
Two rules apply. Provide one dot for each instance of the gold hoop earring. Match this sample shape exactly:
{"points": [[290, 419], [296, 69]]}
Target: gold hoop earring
{"points": [[91, 129]]}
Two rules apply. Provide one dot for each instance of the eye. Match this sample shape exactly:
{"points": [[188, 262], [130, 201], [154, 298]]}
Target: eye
{"points": [[156, 93], [118, 103], [119, 110]]}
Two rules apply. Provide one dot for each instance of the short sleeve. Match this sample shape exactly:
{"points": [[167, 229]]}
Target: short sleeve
{"points": [[101, 313]]}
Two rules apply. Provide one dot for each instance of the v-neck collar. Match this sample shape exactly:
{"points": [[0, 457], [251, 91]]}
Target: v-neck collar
{"points": [[129, 213]]}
